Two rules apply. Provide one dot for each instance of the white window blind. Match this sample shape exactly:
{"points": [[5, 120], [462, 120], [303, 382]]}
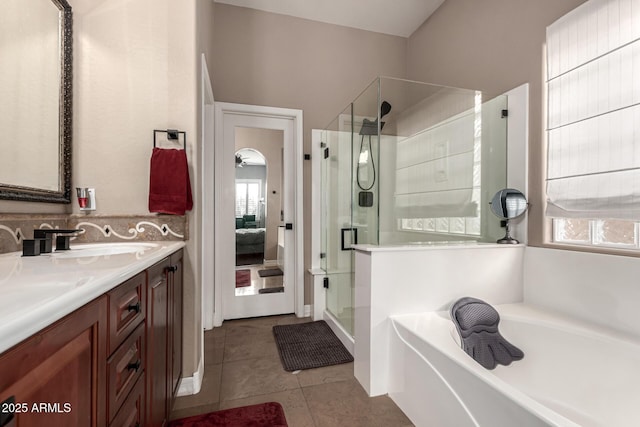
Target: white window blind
{"points": [[247, 198], [593, 82]]}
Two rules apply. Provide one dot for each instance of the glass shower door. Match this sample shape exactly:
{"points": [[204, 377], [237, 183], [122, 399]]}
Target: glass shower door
{"points": [[337, 231]]}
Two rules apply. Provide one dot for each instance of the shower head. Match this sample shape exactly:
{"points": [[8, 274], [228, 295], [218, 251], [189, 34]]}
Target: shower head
{"points": [[385, 107], [370, 127]]}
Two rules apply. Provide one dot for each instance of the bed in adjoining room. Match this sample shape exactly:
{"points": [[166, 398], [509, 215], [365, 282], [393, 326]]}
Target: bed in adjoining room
{"points": [[249, 246]]}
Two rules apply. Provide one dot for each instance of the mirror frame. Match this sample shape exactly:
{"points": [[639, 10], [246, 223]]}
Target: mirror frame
{"points": [[63, 194]]}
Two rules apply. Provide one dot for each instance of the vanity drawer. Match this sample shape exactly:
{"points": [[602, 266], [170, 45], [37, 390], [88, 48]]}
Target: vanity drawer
{"points": [[132, 412], [124, 368], [126, 309]]}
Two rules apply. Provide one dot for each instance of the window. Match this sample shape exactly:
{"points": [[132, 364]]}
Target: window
{"points": [[610, 233], [248, 197], [455, 225], [438, 176], [593, 125]]}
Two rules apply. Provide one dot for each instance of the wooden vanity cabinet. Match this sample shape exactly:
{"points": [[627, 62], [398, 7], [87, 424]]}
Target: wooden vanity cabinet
{"points": [[114, 362], [57, 376], [164, 337]]}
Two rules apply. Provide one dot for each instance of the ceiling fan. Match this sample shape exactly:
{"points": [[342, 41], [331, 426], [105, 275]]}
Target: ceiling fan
{"points": [[240, 161]]}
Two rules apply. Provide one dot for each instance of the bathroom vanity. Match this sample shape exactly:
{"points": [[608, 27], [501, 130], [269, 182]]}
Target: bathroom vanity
{"points": [[91, 336]]}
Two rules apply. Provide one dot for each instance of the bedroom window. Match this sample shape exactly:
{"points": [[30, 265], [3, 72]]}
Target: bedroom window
{"points": [[247, 197], [593, 125]]}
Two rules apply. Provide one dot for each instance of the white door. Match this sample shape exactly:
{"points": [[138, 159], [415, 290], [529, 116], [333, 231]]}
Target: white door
{"points": [[237, 302]]}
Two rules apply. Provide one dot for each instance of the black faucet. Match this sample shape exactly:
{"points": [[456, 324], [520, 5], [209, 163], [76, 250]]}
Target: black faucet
{"points": [[62, 239]]}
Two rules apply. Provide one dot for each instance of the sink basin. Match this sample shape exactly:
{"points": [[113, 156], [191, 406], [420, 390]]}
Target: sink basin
{"points": [[104, 249]]}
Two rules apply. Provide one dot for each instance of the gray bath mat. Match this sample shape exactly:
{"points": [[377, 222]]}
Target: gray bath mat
{"points": [[309, 345], [477, 325], [268, 272]]}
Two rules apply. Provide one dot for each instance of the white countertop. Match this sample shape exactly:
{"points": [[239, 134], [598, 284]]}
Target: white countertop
{"points": [[37, 291]]}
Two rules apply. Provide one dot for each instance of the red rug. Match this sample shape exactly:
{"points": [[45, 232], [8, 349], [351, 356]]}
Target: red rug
{"points": [[243, 278], [268, 414]]}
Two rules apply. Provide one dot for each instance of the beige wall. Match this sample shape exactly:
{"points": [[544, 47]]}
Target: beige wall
{"points": [[493, 46], [134, 72], [269, 143], [262, 58]]}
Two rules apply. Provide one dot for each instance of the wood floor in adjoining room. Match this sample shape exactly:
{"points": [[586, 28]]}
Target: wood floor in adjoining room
{"points": [[242, 367]]}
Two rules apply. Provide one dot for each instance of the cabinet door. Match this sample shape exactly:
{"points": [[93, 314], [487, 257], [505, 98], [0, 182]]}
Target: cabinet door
{"points": [[176, 324], [157, 340], [57, 376]]}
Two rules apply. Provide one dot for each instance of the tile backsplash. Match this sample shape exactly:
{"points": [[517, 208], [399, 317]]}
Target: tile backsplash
{"points": [[98, 228]]}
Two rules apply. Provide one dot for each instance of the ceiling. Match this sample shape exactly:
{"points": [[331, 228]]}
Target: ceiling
{"points": [[395, 17]]}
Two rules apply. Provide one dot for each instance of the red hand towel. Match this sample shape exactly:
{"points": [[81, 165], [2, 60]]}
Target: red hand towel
{"points": [[169, 185]]}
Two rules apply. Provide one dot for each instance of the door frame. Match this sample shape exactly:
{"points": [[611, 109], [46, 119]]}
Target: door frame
{"points": [[207, 269], [223, 258]]}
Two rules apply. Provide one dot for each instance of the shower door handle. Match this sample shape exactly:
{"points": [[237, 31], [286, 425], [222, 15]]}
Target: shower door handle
{"points": [[343, 240]]}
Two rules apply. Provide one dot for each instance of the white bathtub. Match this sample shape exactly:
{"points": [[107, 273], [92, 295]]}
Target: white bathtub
{"points": [[572, 374]]}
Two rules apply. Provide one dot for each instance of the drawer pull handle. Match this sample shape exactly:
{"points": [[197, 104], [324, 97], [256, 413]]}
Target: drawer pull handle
{"points": [[134, 366], [171, 269], [134, 307]]}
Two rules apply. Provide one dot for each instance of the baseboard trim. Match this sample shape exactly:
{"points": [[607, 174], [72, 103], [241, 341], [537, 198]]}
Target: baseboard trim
{"points": [[191, 385], [307, 310]]}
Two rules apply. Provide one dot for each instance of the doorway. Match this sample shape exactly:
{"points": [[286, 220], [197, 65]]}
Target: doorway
{"points": [[247, 204]]}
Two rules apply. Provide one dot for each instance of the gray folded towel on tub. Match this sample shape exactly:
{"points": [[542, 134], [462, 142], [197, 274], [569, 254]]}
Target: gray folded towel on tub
{"points": [[477, 324]]}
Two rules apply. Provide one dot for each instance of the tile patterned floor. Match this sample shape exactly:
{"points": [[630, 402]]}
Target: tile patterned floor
{"points": [[242, 367]]}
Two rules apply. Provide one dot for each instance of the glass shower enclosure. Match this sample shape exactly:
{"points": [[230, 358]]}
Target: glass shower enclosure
{"points": [[407, 163]]}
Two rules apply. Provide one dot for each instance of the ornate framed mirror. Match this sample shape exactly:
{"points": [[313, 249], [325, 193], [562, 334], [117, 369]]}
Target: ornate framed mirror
{"points": [[35, 114]]}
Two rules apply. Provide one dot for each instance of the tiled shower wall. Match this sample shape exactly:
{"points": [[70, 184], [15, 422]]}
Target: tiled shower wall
{"points": [[111, 228]]}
